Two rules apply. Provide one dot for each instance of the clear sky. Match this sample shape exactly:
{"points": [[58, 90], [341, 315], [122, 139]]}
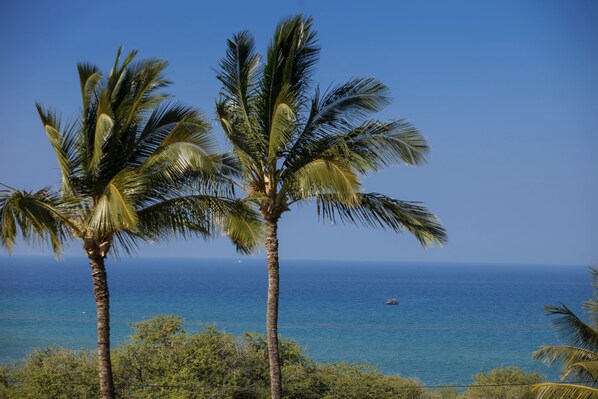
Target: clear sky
{"points": [[506, 92]]}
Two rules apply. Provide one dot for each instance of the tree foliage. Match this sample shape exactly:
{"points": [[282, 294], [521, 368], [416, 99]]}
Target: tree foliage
{"points": [[577, 356], [162, 360], [516, 384]]}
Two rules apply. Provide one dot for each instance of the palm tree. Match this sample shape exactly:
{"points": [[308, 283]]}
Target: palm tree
{"points": [[578, 356], [298, 145], [134, 166]]}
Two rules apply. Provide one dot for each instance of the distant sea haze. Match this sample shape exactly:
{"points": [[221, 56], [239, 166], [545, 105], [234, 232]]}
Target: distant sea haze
{"points": [[452, 320]]}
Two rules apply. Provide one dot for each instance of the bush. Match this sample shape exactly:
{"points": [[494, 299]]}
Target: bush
{"points": [[520, 388], [161, 360]]}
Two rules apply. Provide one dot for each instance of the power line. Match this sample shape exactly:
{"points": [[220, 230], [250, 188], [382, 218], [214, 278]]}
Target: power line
{"points": [[195, 385]]}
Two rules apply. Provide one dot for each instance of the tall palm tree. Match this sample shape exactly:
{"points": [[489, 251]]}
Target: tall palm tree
{"points": [[134, 166], [298, 145], [578, 357]]}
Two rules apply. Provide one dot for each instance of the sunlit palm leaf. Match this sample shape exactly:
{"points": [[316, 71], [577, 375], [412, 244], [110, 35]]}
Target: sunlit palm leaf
{"points": [[89, 78], [325, 176], [102, 131], [115, 209], [564, 391], [566, 355], [160, 124], [282, 125]]}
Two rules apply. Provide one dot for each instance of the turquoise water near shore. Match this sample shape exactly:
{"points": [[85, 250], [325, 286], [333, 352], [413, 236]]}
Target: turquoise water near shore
{"points": [[453, 320]]}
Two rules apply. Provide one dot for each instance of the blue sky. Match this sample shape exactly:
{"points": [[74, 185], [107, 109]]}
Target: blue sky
{"points": [[505, 92]]}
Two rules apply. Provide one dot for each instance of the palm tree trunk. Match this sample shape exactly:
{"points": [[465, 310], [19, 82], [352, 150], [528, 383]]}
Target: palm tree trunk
{"points": [[102, 297], [272, 308]]}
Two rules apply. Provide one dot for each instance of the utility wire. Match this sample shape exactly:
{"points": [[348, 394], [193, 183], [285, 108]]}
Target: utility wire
{"points": [[195, 386]]}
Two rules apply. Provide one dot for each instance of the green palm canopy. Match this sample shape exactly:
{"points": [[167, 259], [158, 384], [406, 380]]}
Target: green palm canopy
{"points": [[134, 166], [578, 356], [296, 144]]}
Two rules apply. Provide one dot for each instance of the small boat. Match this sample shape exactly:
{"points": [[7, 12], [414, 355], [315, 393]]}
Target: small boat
{"points": [[392, 301]]}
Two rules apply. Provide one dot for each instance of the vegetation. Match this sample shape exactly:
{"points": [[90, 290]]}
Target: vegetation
{"points": [[298, 145], [162, 360], [134, 166], [578, 356], [503, 383]]}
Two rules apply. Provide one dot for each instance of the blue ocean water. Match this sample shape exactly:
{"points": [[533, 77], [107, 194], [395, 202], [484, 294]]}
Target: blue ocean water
{"points": [[453, 319]]}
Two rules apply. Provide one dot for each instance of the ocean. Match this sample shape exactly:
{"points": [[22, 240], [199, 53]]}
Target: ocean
{"points": [[452, 321]]}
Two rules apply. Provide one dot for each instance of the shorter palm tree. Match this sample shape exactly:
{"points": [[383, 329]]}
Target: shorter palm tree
{"points": [[134, 167], [578, 357]]}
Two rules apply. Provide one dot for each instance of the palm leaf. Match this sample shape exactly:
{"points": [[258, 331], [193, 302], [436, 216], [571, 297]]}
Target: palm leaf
{"points": [[247, 144], [347, 104], [89, 78], [238, 76], [63, 146], [282, 125], [591, 306], [160, 125], [244, 227], [291, 58], [573, 329], [368, 147], [36, 215], [102, 131], [324, 177], [379, 211], [585, 371], [564, 391], [568, 355], [115, 209]]}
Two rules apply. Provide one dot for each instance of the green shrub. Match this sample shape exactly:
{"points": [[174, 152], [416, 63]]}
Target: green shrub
{"points": [[516, 384]]}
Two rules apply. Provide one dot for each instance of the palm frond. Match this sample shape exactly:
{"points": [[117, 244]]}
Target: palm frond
{"points": [[103, 130], [243, 226], [187, 147], [247, 144], [37, 216], [379, 211], [591, 306], [324, 177], [282, 125], [368, 147], [346, 105], [573, 330], [564, 391], [378, 144], [115, 209], [201, 215], [89, 78], [584, 371], [566, 355], [63, 146], [290, 61], [238, 71], [160, 125]]}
